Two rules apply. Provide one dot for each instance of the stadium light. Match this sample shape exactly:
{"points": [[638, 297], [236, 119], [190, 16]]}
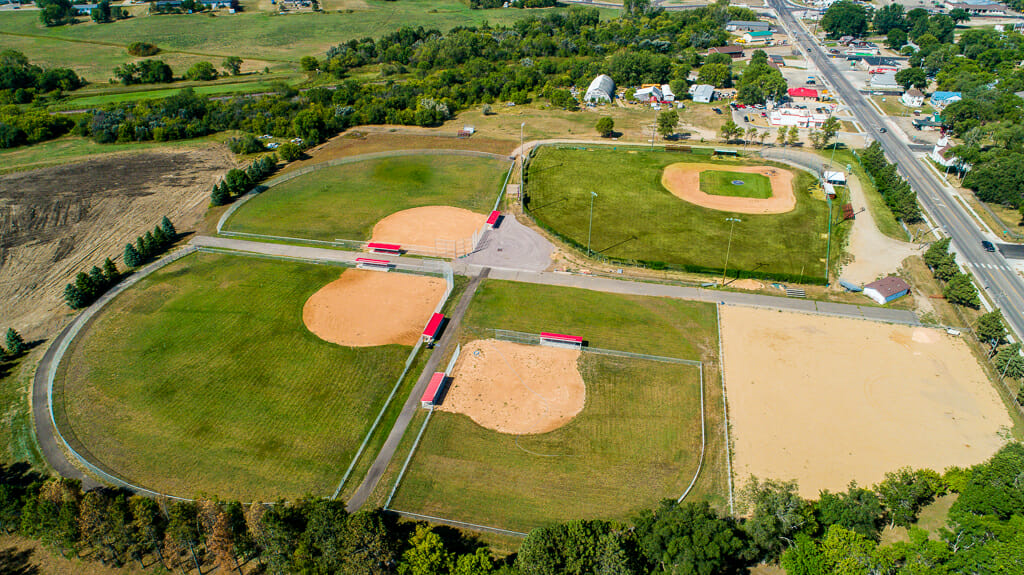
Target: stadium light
{"points": [[731, 227], [590, 229]]}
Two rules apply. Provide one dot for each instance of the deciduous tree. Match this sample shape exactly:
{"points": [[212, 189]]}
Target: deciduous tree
{"points": [[605, 126]]}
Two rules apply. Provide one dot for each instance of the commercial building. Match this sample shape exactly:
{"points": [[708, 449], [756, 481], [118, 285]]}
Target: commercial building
{"points": [[799, 117]]}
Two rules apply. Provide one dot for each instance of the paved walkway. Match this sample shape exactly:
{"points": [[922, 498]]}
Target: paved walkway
{"points": [[512, 245]]}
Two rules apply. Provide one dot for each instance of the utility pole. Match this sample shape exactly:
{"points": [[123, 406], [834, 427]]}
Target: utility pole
{"points": [[590, 228], [729, 248]]}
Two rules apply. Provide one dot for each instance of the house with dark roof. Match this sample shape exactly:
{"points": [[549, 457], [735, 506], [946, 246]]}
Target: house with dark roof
{"points": [[887, 289], [732, 50]]}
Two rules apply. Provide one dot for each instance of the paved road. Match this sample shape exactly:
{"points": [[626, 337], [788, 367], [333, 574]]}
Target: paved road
{"points": [[991, 271], [412, 403]]}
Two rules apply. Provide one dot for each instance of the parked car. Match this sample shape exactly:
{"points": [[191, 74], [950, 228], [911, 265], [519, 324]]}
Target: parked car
{"points": [[989, 246], [882, 130], [717, 110]]}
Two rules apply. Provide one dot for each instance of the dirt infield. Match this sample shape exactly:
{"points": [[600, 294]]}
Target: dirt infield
{"points": [[827, 400], [423, 226], [365, 308], [683, 180], [516, 388]]}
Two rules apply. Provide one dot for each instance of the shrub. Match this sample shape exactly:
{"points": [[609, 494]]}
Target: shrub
{"points": [[143, 49]]}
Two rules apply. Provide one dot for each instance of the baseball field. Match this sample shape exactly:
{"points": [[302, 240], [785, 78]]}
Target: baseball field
{"points": [[672, 208], [635, 441], [206, 376], [347, 201]]}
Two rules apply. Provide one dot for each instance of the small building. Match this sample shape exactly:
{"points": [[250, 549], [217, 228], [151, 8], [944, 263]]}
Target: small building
{"points": [[757, 36], [978, 7], [799, 117], [83, 9], [702, 93], [601, 89], [874, 64], [746, 26], [667, 95], [834, 178], [942, 99], [928, 123], [649, 93], [435, 390], [885, 81], [803, 94], [941, 153], [887, 289], [732, 50], [912, 98], [777, 59]]}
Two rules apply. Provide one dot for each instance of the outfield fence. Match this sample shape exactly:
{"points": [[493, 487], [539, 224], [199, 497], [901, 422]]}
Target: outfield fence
{"points": [[725, 407]]}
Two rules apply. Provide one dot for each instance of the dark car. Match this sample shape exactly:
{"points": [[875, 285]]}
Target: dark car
{"points": [[882, 130], [989, 246], [717, 110]]}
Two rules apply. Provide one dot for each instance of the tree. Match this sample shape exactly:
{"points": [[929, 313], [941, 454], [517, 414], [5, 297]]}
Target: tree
{"points": [[857, 509], [915, 77], [201, 71], [728, 130], [889, 18], [780, 139], [233, 64], [803, 558], [132, 257], [904, 492], [845, 18], [778, 514], [761, 137], [101, 13], [289, 152], [476, 563], [110, 272], [426, 554], [606, 127], [13, 342], [794, 136], [960, 290], [309, 126], [990, 328], [219, 197], [1009, 362], [829, 129], [896, 38], [309, 64], [691, 538], [716, 74], [959, 15], [667, 122], [168, 228], [749, 135], [936, 252], [73, 297]]}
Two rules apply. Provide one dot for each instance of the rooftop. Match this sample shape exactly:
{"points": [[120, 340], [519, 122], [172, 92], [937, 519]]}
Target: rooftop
{"points": [[888, 286]]}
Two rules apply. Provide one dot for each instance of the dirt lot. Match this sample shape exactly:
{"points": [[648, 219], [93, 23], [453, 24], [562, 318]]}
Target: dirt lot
{"points": [[516, 388], [364, 308], [425, 226], [683, 180], [55, 222], [827, 400]]}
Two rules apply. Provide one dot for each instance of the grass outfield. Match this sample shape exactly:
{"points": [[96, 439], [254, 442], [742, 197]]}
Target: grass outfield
{"points": [[720, 183], [346, 201], [636, 441], [203, 378], [636, 218]]}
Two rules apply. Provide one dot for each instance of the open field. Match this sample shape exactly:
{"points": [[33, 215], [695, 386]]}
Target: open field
{"points": [[204, 378], [878, 397], [346, 201], [723, 183], [58, 221], [636, 218], [635, 442]]}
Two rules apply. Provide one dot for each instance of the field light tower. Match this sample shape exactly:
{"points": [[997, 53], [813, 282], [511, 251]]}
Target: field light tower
{"points": [[729, 247], [590, 228]]}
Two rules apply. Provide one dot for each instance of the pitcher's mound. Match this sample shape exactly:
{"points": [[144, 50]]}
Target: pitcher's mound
{"points": [[365, 308], [424, 226], [516, 388], [683, 180]]}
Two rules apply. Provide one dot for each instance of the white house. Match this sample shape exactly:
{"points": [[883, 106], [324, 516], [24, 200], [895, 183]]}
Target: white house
{"points": [[912, 98], [942, 99], [940, 154], [601, 89]]}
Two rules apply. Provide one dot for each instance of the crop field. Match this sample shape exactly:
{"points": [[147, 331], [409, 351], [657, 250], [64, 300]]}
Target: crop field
{"points": [[723, 183], [636, 219], [346, 201], [636, 441], [203, 378]]}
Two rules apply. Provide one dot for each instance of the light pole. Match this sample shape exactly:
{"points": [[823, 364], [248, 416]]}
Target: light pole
{"points": [[727, 249], [590, 228], [522, 163]]}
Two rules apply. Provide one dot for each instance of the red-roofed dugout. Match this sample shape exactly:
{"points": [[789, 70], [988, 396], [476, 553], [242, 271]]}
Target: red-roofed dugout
{"points": [[561, 337], [433, 326], [433, 391], [493, 218], [385, 248]]}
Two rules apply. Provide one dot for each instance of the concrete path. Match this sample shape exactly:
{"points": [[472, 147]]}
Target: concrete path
{"points": [[412, 403], [512, 245]]}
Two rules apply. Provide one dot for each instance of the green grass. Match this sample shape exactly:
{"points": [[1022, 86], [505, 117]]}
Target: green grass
{"points": [[346, 201], [241, 85], [636, 218], [203, 378], [720, 183], [884, 220], [17, 432], [636, 441]]}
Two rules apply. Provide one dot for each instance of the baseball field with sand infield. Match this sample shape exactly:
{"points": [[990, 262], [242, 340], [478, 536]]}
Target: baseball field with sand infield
{"points": [[690, 182], [827, 400]]}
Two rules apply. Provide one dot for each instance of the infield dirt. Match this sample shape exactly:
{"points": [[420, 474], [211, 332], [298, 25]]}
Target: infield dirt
{"points": [[827, 400], [516, 388], [366, 308], [424, 226], [683, 180]]}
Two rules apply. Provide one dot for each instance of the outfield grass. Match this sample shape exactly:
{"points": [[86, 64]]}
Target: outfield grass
{"points": [[636, 441], [636, 219], [720, 183], [346, 201], [203, 378]]}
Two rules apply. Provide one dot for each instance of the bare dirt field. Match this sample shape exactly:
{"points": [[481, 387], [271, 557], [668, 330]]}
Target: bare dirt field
{"points": [[365, 308], [424, 226], [516, 388], [683, 180], [55, 222], [828, 400]]}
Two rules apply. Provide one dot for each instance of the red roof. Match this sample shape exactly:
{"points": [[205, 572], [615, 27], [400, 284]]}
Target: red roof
{"points": [[731, 49], [433, 324], [372, 261], [561, 337], [803, 93], [493, 217], [433, 388], [387, 247]]}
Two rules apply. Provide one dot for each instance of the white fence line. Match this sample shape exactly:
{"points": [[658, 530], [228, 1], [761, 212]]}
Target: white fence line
{"points": [[725, 408], [408, 459]]}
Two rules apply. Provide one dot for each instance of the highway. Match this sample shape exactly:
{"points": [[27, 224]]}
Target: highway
{"points": [[991, 270]]}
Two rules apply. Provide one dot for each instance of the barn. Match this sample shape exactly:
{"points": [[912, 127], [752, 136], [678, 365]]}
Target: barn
{"points": [[887, 289], [601, 89]]}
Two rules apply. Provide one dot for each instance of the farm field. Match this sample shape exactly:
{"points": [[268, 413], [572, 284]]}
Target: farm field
{"points": [[636, 441], [346, 201], [636, 218], [723, 183], [879, 397], [203, 378]]}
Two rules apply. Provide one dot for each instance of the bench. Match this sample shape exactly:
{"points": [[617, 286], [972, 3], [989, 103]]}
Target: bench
{"points": [[372, 264], [432, 395], [380, 248]]}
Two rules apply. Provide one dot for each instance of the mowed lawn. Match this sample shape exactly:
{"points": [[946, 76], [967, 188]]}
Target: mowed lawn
{"points": [[346, 201], [723, 183], [203, 378], [636, 218], [636, 442]]}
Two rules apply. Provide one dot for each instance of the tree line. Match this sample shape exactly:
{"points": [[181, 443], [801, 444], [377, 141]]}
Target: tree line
{"points": [[897, 193], [237, 182], [838, 533], [21, 81]]}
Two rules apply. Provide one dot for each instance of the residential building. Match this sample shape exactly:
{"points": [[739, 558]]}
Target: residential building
{"points": [[942, 99], [732, 50], [777, 60], [941, 154], [912, 98]]}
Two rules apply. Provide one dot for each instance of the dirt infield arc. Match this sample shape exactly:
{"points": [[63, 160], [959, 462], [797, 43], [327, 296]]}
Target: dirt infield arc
{"points": [[683, 180]]}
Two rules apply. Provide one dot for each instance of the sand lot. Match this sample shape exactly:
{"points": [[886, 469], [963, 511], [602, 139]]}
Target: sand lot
{"points": [[828, 400], [516, 388], [424, 226], [364, 308], [683, 180]]}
